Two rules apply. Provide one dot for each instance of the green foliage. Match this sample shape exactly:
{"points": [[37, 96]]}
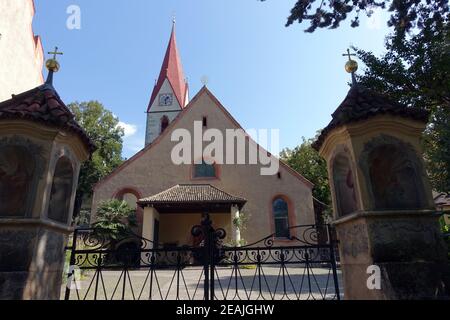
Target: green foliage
{"points": [[115, 219], [102, 127], [242, 221], [405, 15], [307, 161], [416, 72], [83, 218], [445, 228]]}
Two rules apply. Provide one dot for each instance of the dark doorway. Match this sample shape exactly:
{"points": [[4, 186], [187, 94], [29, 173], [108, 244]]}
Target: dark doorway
{"points": [[156, 233]]}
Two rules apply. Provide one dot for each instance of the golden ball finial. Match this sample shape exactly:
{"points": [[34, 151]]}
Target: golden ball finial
{"points": [[351, 66], [52, 65]]}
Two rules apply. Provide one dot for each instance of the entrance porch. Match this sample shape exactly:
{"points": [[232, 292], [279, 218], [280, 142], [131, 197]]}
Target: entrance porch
{"points": [[170, 215]]}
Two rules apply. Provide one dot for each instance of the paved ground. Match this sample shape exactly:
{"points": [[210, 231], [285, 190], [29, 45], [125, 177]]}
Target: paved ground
{"points": [[254, 284]]}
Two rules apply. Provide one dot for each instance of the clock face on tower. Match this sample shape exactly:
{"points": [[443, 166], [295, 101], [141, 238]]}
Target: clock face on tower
{"points": [[165, 99]]}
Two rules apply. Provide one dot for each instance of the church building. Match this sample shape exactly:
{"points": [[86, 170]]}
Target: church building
{"points": [[171, 198], [22, 55]]}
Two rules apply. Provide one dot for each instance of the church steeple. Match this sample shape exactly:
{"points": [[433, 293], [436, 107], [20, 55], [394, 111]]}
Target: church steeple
{"points": [[172, 70], [170, 94]]}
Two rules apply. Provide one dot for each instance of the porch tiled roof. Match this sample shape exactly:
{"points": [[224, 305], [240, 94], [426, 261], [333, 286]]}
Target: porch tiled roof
{"points": [[192, 193]]}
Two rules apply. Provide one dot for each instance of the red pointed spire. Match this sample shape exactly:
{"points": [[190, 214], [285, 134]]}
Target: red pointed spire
{"points": [[172, 70]]}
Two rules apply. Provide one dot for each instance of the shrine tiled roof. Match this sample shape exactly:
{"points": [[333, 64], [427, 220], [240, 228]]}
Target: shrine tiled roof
{"points": [[192, 193], [43, 104], [362, 103]]}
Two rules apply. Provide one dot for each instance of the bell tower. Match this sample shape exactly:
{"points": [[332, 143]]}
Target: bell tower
{"points": [[170, 94]]}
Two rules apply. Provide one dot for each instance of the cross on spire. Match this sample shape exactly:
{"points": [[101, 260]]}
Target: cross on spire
{"points": [[54, 53]]}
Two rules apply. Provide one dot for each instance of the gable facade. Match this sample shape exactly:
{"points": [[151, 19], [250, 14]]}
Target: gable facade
{"points": [[152, 171]]}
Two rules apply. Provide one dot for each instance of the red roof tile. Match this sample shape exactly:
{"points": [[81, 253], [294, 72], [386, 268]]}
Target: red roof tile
{"points": [[192, 193], [172, 70]]}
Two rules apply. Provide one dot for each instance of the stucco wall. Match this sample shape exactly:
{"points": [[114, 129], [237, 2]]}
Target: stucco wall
{"points": [[21, 55], [152, 171]]}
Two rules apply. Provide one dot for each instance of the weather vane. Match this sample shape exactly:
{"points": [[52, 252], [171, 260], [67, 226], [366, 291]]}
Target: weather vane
{"points": [[204, 79], [351, 66]]}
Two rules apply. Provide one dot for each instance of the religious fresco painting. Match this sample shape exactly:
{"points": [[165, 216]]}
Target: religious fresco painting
{"points": [[17, 170], [394, 173]]}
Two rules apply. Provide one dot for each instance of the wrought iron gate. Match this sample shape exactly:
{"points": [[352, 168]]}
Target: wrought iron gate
{"points": [[136, 268]]}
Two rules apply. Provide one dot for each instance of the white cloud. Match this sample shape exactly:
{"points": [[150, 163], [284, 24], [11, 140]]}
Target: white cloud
{"points": [[129, 129], [132, 145]]}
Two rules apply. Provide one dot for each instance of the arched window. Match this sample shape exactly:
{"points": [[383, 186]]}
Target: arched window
{"points": [[61, 191], [344, 188], [17, 169], [204, 170], [131, 196], [280, 210], [164, 123], [131, 199]]}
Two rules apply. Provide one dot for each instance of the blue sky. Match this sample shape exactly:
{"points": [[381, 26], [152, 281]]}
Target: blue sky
{"points": [[266, 75]]}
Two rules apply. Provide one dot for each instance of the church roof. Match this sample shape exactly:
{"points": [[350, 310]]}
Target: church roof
{"points": [[43, 104], [192, 193], [172, 70], [362, 103]]}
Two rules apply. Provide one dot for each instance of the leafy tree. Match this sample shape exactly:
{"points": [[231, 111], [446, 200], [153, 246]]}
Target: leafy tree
{"points": [[115, 218], [416, 72], [102, 127], [405, 14], [307, 161]]}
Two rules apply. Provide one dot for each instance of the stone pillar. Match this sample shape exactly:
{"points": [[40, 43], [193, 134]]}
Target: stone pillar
{"points": [[390, 242], [39, 175], [236, 233], [148, 225], [32, 259], [405, 247], [40, 159]]}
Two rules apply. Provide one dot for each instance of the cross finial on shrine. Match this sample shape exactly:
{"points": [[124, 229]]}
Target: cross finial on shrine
{"points": [[55, 53], [52, 65], [349, 55], [351, 66]]}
